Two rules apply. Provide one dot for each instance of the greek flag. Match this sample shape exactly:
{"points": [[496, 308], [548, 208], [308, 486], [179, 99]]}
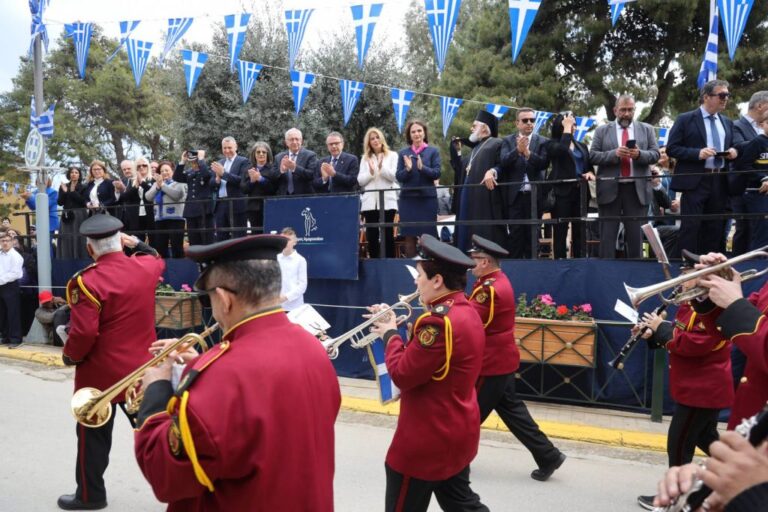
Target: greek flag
{"points": [[388, 391], [126, 29], [301, 83], [449, 107], [541, 120], [441, 19], [36, 9], [497, 110], [401, 100], [521, 16], [616, 7], [138, 57], [249, 73], [236, 26], [583, 124], [81, 36], [5, 187], [734, 14], [296, 24], [177, 27], [16, 189], [44, 122], [364, 22], [193, 66], [350, 93], [663, 136], [708, 70]]}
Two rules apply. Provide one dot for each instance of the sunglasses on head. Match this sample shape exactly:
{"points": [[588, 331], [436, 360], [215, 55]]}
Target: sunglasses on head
{"points": [[528, 120], [722, 95]]}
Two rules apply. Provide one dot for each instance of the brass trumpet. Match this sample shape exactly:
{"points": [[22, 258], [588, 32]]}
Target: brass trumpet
{"points": [[92, 408], [359, 338]]}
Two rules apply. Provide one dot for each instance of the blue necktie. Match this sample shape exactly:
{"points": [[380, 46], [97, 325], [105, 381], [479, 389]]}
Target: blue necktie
{"points": [[330, 179], [290, 175], [716, 141]]}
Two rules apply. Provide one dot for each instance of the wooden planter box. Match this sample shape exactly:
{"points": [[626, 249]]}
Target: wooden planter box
{"points": [[569, 343], [181, 311]]}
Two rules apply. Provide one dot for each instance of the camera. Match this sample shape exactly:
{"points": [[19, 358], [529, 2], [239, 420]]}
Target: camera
{"points": [[192, 154]]}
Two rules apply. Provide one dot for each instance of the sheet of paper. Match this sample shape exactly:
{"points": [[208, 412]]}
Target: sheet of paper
{"points": [[626, 311], [308, 317]]}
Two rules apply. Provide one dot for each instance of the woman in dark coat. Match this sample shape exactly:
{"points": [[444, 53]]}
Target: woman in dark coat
{"points": [[255, 185], [99, 194], [418, 166], [570, 161], [72, 199]]}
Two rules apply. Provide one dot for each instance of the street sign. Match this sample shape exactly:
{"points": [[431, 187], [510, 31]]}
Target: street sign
{"points": [[34, 149]]}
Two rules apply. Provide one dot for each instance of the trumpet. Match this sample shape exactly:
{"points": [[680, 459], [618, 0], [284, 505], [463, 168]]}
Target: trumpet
{"points": [[359, 338], [638, 295], [92, 408]]}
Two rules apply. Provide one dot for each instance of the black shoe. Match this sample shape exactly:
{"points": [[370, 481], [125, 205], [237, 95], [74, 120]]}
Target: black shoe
{"points": [[71, 502], [542, 474], [646, 502], [15, 344]]}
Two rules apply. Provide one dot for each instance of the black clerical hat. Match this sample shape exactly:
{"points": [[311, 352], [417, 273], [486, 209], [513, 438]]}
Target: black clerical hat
{"points": [[491, 120]]}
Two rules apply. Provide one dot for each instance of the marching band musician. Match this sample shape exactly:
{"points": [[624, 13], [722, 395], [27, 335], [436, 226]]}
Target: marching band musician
{"points": [[251, 424], [494, 300], [438, 429], [112, 325]]}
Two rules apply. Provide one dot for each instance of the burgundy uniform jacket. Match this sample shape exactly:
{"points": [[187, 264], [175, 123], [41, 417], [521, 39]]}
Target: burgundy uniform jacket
{"points": [[494, 300], [438, 430]]}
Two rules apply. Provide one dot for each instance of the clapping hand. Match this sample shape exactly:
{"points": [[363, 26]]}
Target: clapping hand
{"points": [[407, 162], [254, 175]]}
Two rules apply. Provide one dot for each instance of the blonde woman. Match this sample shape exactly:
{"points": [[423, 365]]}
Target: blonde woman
{"points": [[143, 183], [378, 166], [99, 193]]}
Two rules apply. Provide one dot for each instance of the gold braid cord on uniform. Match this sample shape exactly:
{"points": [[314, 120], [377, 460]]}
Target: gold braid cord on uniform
{"points": [[189, 445], [448, 351]]}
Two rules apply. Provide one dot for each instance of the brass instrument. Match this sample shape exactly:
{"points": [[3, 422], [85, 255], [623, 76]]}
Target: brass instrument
{"points": [[638, 295], [357, 336], [92, 408]]}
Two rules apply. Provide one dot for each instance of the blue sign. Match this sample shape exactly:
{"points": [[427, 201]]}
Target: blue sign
{"points": [[327, 227]]}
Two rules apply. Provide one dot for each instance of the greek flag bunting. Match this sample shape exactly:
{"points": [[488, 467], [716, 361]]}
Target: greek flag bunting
{"points": [[193, 66], [81, 36], [541, 120], [497, 110], [441, 19], [583, 124], [449, 107], [177, 27], [295, 25], [401, 100], [249, 73], [364, 18], [388, 391], [16, 188], [36, 9], [521, 16], [138, 57], [734, 15], [44, 122], [663, 136], [5, 187], [350, 93], [708, 70], [301, 83], [126, 29], [616, 7], [236, 25]]}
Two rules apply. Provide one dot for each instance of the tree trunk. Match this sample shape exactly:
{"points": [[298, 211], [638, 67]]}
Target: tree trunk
{"points": [[117, 144]]}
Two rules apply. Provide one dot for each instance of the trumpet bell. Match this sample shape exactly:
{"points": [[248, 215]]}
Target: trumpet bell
{"points": [[83, 410]]}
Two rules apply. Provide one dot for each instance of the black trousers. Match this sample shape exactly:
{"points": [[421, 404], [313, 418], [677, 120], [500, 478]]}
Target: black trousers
{"points": [[568, 206], [93, 446], [519, 243], [256, 220], [497, 393], [408, 494], [146, 225], [701, 236], [174, 234], [690, 427], [223, 222], [10, 314], [196, 227], [372, 233]]}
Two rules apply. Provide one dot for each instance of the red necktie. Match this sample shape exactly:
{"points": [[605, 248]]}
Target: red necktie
{"points": [[626, 166]]}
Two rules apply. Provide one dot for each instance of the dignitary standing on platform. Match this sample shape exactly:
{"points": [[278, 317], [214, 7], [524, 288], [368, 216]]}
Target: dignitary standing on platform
{"points": [[482, 167], [338, 171], [251, 426], [70, 244], [494, 300], [111, 327], [438, 429], [623, 151], [229, 205], [193, 171], [127, 197], [294, 168], [378, 166], [256, 185]]}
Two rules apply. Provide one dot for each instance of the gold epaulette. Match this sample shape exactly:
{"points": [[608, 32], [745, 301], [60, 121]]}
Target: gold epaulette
{"points": [[73, 294]]}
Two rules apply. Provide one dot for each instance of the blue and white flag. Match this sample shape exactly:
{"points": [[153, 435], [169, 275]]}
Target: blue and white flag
{"points": [[541, 120], [449, 107], [44, 122], [36, 9], [401, 100], [441, 19], [734, 15], [708, 70], [138, 57], [521, 16], [249, 73], [236, 25], [497, 110], [583, 124], [301, 83], [350, 93], [193, 66], [388, 391], [663, 136], [81, 36], [295, 25], [126, 29], [16, 189], [5, 187], [364, 18], [177, 27], [616, 7]]}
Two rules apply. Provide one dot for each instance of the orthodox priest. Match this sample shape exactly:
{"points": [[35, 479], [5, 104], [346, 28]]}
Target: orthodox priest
{"points": [[481, 199]]}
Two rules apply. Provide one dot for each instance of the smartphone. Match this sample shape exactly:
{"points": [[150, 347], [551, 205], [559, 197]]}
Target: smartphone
{"points": [[722, 153], [631, 144]]}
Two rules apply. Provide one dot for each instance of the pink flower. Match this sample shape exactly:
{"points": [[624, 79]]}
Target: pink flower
{"points": [[547, 299], [587, 308], [161, 279], [185, 288]]}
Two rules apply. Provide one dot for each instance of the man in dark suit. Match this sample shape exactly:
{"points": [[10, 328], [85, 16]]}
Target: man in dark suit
{"points": [[523, 159], [702, 143], [127, 197], [193, 171], [295, 168], [622, 189], [229, 205], [338, 171]]}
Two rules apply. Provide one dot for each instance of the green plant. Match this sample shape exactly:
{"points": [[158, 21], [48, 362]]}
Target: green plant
{"points": [[543, 306]]}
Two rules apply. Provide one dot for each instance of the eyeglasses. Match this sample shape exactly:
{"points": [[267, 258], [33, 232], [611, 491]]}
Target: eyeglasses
{"points": [[722, 95], [261, 152], [333, 143], [205, 298], [142, 165], [528, 120]]}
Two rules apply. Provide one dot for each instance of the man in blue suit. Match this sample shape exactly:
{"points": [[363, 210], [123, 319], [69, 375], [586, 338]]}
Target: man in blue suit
{"points": [[295, 168], [229, 205], [701, 141], [338, 171]]}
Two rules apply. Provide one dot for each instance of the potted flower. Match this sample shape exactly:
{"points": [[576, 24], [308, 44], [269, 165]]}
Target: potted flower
{"points": [[176, 309]]}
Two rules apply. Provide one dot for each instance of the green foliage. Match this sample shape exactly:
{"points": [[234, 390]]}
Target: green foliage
{"points": [[543, 306]]}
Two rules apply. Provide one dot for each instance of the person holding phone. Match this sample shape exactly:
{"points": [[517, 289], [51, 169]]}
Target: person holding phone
{"points": [[623, 151]]}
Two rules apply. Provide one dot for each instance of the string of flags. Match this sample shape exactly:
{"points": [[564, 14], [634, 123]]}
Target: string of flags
{"points": [[43, 122], [7, 187]]}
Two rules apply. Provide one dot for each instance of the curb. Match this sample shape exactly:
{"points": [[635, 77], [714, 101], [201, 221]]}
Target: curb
{"points": [[41, 357]]}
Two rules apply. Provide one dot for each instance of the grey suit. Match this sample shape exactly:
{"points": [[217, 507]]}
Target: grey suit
{"points": [[616, 198]]}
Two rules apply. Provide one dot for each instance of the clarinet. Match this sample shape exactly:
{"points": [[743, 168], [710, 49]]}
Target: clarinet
{"points": [[618, 362]]}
